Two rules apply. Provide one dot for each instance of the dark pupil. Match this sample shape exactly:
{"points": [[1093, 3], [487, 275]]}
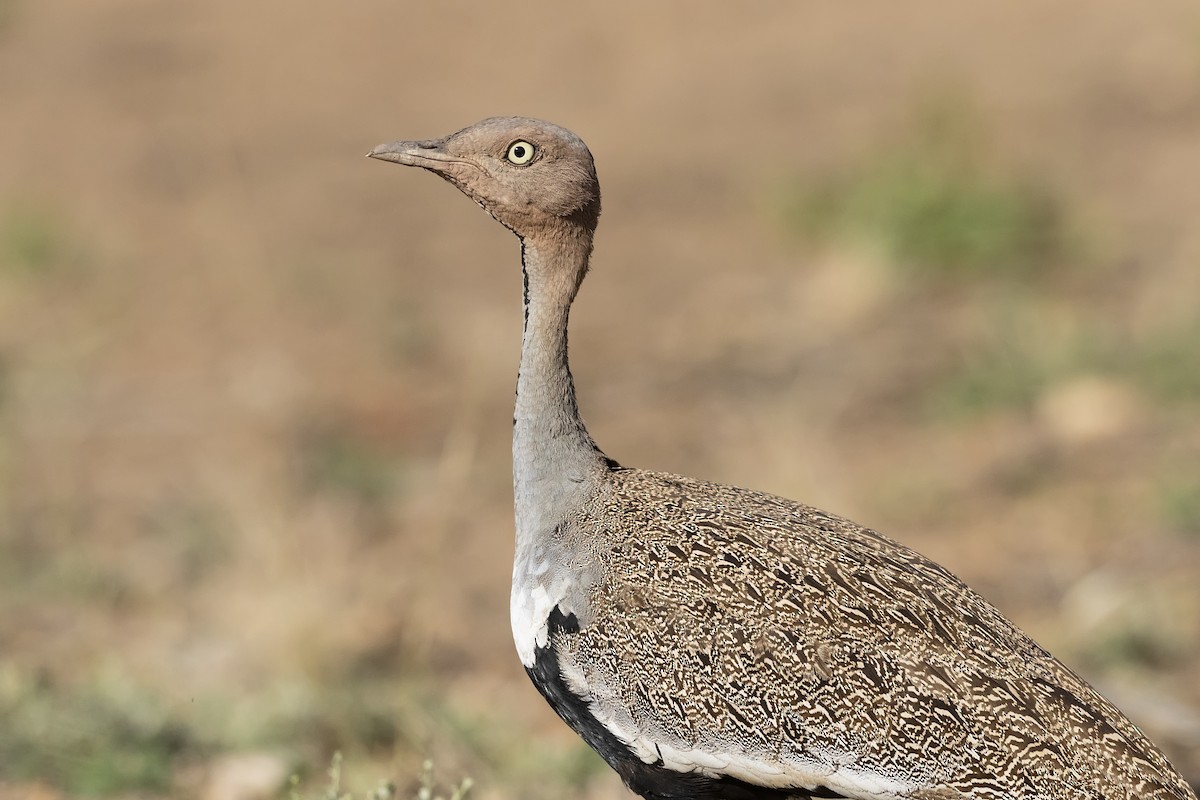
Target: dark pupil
{"points": [[518, 152]]}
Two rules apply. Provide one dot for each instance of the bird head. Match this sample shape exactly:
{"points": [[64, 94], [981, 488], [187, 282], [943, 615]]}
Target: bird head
{"points": [[532, 176]]}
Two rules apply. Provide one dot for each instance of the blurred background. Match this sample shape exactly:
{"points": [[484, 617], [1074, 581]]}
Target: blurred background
{"points": [[932, 266]]}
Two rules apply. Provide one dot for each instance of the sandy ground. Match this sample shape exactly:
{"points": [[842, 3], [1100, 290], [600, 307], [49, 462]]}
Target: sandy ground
{"points": [[256, 388]]}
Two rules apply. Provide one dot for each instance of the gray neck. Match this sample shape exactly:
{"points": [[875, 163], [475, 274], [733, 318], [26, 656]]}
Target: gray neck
{"points": [[554, 458]]}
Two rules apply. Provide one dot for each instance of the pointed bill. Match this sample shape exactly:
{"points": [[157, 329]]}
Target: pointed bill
{"points": [[428, 153]]}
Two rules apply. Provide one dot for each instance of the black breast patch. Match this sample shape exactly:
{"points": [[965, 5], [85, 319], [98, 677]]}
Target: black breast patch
{"points": [[651, 781]]}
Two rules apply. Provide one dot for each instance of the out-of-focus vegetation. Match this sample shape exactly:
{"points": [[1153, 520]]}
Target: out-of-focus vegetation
{"points": [[936, 204], [31, 241], [1030, 346], [427, 789], [102, 737], [111, 735], [386, 790], [8, 14], [1179, 500]]}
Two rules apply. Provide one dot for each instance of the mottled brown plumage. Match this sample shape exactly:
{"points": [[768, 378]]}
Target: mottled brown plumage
{"points": [[782, 619], [714, 642]]}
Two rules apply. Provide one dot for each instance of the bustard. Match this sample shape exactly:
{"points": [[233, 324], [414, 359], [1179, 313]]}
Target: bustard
{"points": [[715, 642]]}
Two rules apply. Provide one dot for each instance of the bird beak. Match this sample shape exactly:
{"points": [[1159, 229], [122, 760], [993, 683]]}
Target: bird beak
{"points": [[425, 154]]}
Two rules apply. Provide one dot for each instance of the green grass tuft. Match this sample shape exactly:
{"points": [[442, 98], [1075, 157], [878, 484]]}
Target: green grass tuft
{"points": [[1134, 645], [1166, 364], [934, 206], [1179, 505], [335, 459], [8, 15], [1032, 345], [1028, 347], [100, 738], [33, 242]]}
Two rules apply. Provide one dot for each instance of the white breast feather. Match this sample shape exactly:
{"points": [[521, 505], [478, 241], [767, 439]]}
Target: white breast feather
{"points": [[529, 614]]}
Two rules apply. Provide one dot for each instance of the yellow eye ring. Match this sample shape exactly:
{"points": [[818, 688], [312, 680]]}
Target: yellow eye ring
{"points": [[520, 153]]}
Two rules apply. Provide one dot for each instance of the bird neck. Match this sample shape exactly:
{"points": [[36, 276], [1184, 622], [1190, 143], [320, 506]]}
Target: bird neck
{"points": [[553, 455]]}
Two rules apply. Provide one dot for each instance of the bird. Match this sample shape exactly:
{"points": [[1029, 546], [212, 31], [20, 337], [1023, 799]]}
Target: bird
{"points": [[718, 643]]}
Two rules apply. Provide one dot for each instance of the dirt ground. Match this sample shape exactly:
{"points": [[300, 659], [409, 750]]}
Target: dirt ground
{"points": [[255, 389]]}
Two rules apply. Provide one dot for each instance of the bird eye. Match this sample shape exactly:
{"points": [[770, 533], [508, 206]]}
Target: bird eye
{"points": [[520, 152]]}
